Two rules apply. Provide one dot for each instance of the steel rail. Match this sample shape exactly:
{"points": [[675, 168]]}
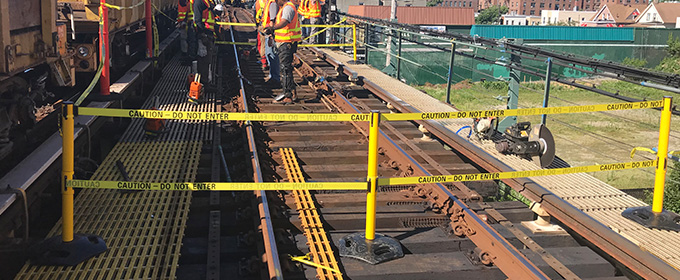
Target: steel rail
{"points": [[271, 251], [464, 221]]}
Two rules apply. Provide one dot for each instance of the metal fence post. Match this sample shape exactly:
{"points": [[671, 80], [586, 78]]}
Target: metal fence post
{"points": [[546, 93], [399, 56], [448, 81]]}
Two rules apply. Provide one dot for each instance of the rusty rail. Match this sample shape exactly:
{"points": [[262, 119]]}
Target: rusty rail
{"points": [[464, 222], [621, 249], [271, 255]]}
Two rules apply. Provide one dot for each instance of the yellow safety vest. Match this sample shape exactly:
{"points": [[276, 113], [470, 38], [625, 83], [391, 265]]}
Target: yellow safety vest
{"points": [[260, 11], [292, 31]]}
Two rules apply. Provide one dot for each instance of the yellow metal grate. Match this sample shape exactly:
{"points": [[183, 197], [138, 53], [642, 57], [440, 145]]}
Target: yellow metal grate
{"points": [[317, 238], [143, 230]]}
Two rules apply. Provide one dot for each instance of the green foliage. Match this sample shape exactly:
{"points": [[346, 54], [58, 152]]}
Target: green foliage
{"points": [[673, 48], [495, 85], [635, 62], [671, 198], [432, 3], [671, 63], [491, 15]]}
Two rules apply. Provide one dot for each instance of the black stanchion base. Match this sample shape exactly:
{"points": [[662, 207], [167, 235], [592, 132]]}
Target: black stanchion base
{"points": [[354, 62], [381, 249], [54, 251], [645, 216]]}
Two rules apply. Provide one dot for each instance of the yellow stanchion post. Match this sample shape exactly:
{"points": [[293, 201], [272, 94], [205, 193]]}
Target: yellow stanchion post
{"points": [[67, 127], [662, 155], [354, 42], [372, 176], [69, 249], [370, 246], [655, 216]]}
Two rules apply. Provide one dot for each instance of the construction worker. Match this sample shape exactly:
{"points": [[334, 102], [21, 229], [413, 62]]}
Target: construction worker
{"points": [[204, 21], [259, 11], [287, 36], [268, 20], [311, 11], [182, 10]]}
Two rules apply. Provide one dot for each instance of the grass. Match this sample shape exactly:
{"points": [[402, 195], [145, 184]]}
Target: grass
{"points": [[584, 138]]}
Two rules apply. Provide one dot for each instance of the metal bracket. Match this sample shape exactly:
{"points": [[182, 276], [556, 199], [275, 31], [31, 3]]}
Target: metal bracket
{"points": [[381, 249]]}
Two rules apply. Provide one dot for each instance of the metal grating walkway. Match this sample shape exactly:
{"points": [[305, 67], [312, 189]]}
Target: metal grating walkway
{"points": [[318, 240], [592, 196], [143, 230]]}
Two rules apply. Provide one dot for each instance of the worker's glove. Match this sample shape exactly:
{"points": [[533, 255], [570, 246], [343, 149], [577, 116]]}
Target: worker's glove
{"points": [[269, 30]]}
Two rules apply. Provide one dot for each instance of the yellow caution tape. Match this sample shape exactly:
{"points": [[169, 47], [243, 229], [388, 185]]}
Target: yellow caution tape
{"points": [[514, 174], [307, 260], [326, 45], [123, 8], [632, 152], [235, 43], [235, 23], [327, 25], [337, 24], [212, 116], [214, 186], [524, 112]]}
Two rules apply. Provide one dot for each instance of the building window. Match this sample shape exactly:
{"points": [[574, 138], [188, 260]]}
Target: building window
{"points": [[471, 4], [549, 5], [532, 12], [569, 20], [533, 5], [649, 17], [541, 5], [525, 5], [557, 6]]}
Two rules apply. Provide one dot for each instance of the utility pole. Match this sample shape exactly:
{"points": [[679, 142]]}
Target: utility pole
{"points": [[393, 17]]}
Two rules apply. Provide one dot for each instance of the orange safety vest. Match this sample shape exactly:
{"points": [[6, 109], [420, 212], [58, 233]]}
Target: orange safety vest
{"points": [[265, 16], [260, 11], [302, 9], [182, 11], [292, 31], [313, 10], [208, 17]]}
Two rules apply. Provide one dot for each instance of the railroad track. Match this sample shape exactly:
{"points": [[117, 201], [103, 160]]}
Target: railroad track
{"points": [[426, 219]]}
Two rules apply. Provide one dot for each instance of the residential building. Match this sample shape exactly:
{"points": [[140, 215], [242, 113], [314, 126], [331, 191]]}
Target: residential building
{"points": [[571, 18], [460, 3], [520, 20], [662, 15], [433, 16], [343, 5], [534, 7], [613, 14]]}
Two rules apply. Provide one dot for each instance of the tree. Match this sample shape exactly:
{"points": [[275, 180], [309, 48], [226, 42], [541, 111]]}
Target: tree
{"points": [[491, 15], [671, 63], [432, 3]]}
